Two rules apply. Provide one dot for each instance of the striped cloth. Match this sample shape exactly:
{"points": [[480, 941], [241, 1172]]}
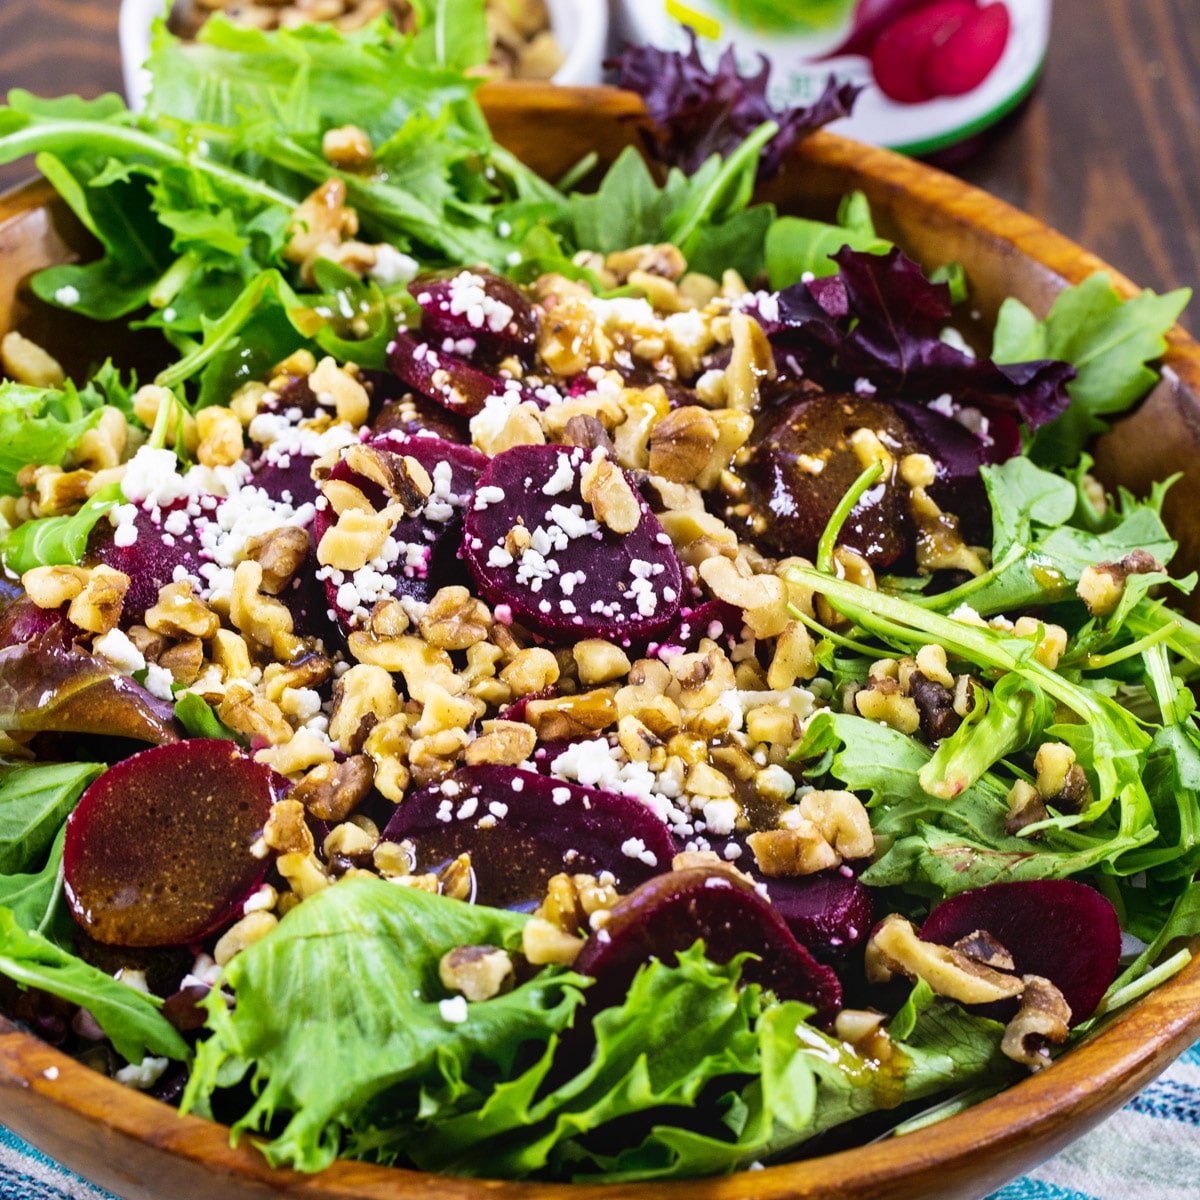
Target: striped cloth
{"points": [[1150, 1150]]}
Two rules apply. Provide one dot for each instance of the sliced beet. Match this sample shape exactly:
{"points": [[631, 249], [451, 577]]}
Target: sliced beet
{"points": [[578, 579], [434, 534], [477, 310], [670, 913], [1062, 930], [446, 379], [714, 619], [158, 852], [871, 18], [902, 51], [830, 913], [793, 499], [520, 828], [414, 416], [153, 557], [289, 479], [970, 54]]}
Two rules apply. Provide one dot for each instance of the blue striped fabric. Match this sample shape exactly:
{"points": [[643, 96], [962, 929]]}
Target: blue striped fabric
{"points": [[1150, 1149]]}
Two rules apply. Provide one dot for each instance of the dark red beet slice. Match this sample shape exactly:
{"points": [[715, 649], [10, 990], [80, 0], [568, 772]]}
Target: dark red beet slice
{"points": [[446, 379], [580, 579], [533, 827], [477, 308], [970, 54], [792, 505], [902, 51], [289, 479], [830, 913], [158, 851], [436, 530], [672, 912], [151, 560], [713, 619], [411, 415], [1064, 931]]}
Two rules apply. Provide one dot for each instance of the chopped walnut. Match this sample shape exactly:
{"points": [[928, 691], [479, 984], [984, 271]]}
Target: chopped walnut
{"points": [[584, 715], [347, 146], [455, 620], [682, 444], [180, 613], [543, 943], [52, 587], [401, 476], [252, 715], [333, 790], [883, 701], [286, 830], [253, 927], [185, 660], [1061, 781], [220, 437], [362, 697], [26, 362], [577, 902], [506, 743], [280, 553], [1043, 1020], [605, 487], [1025, 807], [477, 972], [1102, 586], [97, 608], [895, 949]]}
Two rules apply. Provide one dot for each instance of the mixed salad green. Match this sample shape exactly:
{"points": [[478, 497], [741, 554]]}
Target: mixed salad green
{"points": [[331, 1035]]}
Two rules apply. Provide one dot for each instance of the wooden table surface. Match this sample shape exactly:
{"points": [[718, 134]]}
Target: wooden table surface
{"points": [[1107, 151]]}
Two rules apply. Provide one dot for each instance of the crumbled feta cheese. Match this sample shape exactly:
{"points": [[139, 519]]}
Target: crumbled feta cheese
{"points": [[158, 682], [145, 1075], [392, 267], [116, 648], [454, 1010]]}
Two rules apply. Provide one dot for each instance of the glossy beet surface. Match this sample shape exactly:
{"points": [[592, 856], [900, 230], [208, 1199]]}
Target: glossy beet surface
{"points": [[520, 828], [441, 376], [1064, 931], [970, 53], [578, 579], [434, 533], [794, 499], [830, 913], [672, 912], [158, 851]]}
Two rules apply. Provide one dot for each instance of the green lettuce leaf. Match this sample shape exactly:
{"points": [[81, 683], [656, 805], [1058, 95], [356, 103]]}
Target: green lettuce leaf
{"points": [[338, 1018], [33, 897], [130, 1018]]}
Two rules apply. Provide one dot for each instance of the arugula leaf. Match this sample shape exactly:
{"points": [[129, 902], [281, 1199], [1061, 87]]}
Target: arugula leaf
{"points": [[35, 799], [935, 847], [1010, 717], [381, 1040], [1108, 340], [130, 1018], [1038, 556]]}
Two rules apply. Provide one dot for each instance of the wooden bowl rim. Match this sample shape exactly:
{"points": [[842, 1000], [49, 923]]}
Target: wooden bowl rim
{"points": [[1087, 1082]]}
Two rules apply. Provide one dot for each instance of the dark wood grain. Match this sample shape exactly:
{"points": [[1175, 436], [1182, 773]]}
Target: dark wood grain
{"points": [[145, 1151], [1108, 149]]}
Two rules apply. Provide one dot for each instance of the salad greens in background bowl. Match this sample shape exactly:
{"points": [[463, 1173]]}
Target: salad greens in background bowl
{"points": [[345, 761]]}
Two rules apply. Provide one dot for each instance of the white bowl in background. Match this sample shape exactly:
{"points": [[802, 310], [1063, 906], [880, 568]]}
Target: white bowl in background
{"points": [[581, 27]]}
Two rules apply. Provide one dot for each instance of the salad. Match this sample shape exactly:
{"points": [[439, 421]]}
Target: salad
{"points": [[579, 680]]}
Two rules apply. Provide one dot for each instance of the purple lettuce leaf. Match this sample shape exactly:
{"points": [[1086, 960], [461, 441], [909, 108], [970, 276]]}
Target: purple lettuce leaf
{"points": [[700, 112], [880, 319], [46, 687]]}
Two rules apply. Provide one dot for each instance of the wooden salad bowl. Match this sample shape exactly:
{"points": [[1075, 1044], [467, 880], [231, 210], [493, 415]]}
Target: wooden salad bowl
{"points": [[144, 1150]]}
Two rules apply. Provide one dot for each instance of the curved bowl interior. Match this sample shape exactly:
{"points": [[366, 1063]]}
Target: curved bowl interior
{"points": [[145, 1151]]}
